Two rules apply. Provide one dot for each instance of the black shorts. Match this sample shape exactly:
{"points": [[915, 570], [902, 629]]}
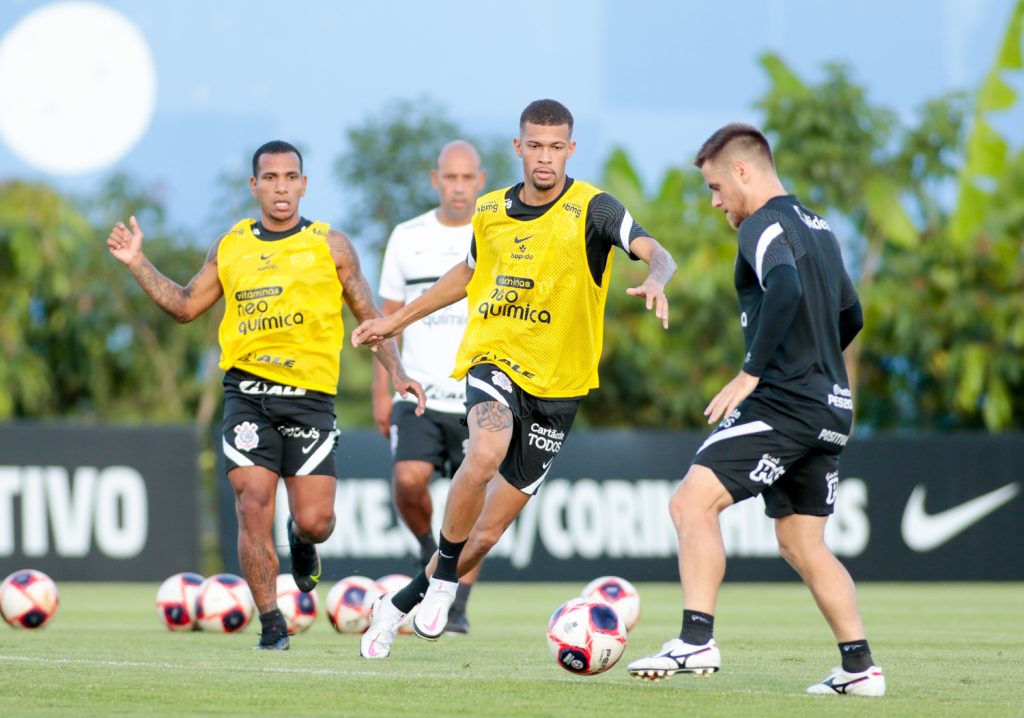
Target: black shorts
{"points": [[754, 452], [538, 431], [282, 428], [437, 437]]}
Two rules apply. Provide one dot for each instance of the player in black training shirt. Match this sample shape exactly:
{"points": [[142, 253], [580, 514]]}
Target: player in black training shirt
{"points": [[784, 418]]}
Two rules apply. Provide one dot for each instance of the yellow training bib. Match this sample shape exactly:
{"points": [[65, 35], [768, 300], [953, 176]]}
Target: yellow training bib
{"points": [[282, 315]]}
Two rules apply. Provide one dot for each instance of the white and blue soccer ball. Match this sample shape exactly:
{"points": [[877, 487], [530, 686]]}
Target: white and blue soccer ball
{"points": [[176, 601], [299, 609], [586, 637], [224, 604], [618, 593], [349, 602], [28, 599]]}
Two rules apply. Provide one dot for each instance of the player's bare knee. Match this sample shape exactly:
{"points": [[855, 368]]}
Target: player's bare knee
{"points": [[314, 526], [409, 485], [480, 467]]}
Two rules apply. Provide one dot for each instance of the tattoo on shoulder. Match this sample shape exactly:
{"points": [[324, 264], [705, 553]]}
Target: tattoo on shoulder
{"points": [[492, 416]]}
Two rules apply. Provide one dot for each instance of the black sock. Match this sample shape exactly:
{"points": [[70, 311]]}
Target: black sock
{"points": [[427, 547], [448, 559], [407, 598], [272, 622], [856, 656], [461, 598], [698, 628]]}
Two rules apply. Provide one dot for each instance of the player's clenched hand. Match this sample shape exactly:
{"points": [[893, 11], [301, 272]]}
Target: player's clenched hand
{"points": [[404, 385], [730, 397], [654, 291], [373, 331], [124, 243]]}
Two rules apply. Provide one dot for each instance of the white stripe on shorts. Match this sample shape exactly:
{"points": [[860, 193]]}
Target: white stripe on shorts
{"points": [[319, 455], [754, 427], [235, 455], [487, 388]]}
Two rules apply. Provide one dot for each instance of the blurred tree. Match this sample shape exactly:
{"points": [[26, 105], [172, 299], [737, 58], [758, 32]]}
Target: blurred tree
{"points": [[944, 340], [79, 337], [385, 171], [656, 378]]}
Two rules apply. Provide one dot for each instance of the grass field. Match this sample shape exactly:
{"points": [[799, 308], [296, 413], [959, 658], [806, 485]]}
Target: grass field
{"points": [[947, 649]]}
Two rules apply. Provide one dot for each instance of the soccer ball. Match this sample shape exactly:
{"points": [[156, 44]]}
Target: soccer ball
{"points": [[349, 602], [176, 601], [617, 593], [224, 604], [28, 599], [394, 582], [299, 608], [586, 637]]}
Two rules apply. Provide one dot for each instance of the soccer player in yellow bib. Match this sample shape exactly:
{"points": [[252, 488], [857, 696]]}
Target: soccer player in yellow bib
{"points": [[536, 280], [283, 279]]}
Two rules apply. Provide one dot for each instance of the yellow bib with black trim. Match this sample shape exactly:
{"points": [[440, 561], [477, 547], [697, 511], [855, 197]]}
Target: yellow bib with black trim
{"points": [[282, 314], [534, 308]]}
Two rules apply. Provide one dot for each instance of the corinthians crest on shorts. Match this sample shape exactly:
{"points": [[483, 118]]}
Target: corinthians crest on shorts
{"points": [[247, 436]]}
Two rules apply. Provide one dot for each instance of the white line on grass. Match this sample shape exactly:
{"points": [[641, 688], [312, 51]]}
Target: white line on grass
{"points": [[192, 667]]}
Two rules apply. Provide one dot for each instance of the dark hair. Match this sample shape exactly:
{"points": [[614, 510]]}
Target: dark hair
{"points": [[274, 147], [747, 139], [546, 112]]}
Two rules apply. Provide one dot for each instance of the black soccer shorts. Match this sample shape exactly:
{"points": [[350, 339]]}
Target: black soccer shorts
{"points": [[437, 437], [288, 430], [753, 452], [539, 428]]}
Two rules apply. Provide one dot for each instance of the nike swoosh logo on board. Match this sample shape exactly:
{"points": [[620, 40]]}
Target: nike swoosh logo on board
{"points": [[923, 531]]}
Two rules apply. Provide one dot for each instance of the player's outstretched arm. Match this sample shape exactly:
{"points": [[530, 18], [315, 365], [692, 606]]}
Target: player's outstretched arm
{"points": [[662, 267], [182, 303], [357, 295], [447, 290]]}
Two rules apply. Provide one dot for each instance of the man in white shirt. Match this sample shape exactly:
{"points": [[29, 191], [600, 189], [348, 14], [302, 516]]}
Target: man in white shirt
{"points": [[419, 252]]}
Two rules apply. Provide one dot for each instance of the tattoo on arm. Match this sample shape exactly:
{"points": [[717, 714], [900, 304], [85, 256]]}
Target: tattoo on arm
{"points": [[492, 416], [168, 294], [387, 355], [662, 266]]}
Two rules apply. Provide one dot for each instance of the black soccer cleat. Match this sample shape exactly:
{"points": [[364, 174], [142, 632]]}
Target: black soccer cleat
{"points": [[457, 622], [273, 640], [305, 561]]}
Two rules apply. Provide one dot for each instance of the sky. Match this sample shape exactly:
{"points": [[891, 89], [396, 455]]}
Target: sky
{"points": [[181, 92]]}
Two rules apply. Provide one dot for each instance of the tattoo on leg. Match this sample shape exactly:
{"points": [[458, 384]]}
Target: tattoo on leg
{"points": [[492, 416], [260, 568]]}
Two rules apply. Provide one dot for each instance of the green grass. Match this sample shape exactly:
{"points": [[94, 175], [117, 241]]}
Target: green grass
{"points": [[947, 649]]}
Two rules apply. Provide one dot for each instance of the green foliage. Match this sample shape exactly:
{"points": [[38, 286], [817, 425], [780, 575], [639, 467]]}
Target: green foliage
{"points": [[79, 337], [386, 168], [943, 305], [649, 376]]}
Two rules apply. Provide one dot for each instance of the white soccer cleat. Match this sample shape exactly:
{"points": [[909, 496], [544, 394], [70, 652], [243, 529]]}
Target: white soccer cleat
{"points": [[678, 657], [432, 615], [385, 620], [866, 683]]}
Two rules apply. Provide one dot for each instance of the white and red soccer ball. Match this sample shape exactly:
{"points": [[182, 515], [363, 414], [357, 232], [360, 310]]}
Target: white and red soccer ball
{"points": [[586, 637], [349, 602], [299, 609], [176, 601], [28, 599], [224, 604], [618, 593]]}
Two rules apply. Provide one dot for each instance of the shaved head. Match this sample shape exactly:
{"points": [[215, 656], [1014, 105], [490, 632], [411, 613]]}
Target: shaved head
{"points": [[458, 149], [458, 179]]}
